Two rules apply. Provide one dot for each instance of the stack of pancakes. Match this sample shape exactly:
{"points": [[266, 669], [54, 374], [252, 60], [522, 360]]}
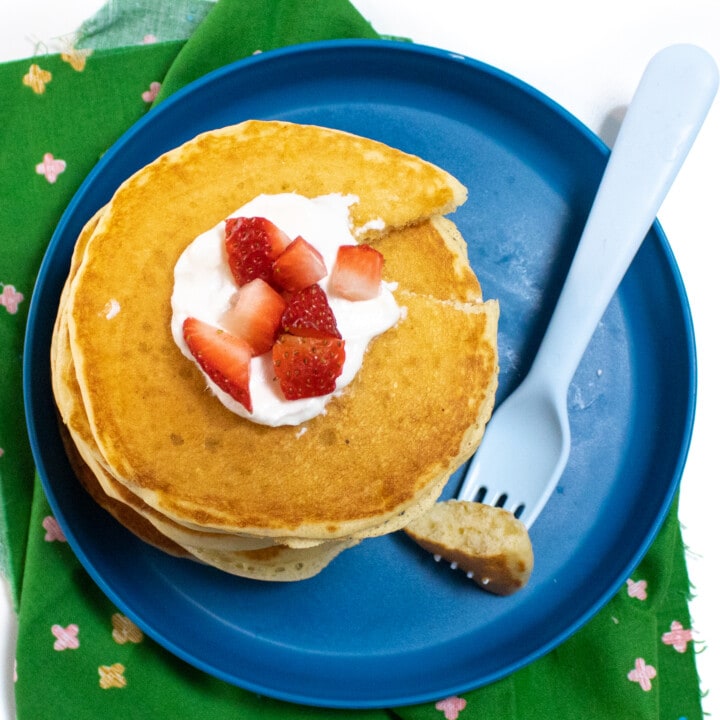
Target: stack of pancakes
{"points": [[156, 449]]}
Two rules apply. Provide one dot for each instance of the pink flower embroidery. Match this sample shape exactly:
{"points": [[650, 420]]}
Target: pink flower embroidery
{"points": [[152, 92], [642, 674], [67, 638], [11, 298], [50, 167], [36, 78], [637, 589], [451, 707], [149, 39], [678, 636], [112, 676], [53, 531]]}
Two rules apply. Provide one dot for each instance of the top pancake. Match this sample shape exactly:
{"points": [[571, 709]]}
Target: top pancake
{"points": [[415, 411]]}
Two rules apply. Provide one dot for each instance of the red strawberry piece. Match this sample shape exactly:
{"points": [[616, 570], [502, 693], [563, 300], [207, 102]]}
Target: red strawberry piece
{"points": [[357, 272], [308, 313], [307, 367], [252, 244], [299, 266], [255, 315], [224, 358]]}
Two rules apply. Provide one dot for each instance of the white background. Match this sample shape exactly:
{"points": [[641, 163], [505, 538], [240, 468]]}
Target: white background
{"points": [[588, 57]]}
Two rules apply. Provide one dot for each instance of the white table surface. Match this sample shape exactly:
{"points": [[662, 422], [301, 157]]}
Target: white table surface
{"points": [[589, 59]]}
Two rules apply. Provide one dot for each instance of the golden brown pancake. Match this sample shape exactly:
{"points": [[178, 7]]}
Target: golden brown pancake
{"points": [[267, 561], [162, 443], [88, 463], [226, 552]]}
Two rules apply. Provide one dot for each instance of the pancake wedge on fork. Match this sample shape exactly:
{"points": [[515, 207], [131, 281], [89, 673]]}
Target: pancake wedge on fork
{"points": [[259, 501]]}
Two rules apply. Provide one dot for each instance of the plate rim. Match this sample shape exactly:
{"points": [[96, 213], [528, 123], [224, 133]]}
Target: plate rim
{"points": [[167, 106]]}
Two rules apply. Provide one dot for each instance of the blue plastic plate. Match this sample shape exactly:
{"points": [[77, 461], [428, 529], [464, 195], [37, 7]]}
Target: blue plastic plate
{"points": [[384, 624]]}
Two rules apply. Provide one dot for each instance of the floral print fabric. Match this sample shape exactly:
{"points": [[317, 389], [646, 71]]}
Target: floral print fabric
{"points": [[77, 655]]}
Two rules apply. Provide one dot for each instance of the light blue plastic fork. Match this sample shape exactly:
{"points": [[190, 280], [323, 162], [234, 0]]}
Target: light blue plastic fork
{"points": [[527, 441]]}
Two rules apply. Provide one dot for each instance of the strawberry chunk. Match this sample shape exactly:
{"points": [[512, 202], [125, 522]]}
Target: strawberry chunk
{"points": [[252, 244], [224, 358], [309, 314], [255, 315], [299, 266], [357, 272], [307, 367]]}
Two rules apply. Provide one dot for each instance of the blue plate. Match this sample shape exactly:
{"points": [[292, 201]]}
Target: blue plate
{"points": [[384, 624]]}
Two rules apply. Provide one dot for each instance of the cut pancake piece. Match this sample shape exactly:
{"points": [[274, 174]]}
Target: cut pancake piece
{"points": [[441, 269], [487, 542]]}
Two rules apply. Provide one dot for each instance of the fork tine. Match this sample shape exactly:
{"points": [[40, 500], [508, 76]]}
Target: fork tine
{"points": [[502, 500], [474, 490]]}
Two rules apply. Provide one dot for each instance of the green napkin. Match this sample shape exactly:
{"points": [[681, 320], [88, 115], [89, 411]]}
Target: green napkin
{"points": [[77, 656]]}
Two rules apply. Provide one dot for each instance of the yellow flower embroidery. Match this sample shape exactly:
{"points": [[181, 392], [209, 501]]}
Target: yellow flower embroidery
{"points": [[76, 58], [112, 676], [125, 630], [37, 78]]}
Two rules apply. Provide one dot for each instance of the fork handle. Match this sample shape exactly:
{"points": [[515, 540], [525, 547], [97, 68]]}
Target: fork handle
{"points": [[662, 121]]}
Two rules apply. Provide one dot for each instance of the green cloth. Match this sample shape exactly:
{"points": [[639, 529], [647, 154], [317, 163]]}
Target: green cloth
{"points": [[77, 656]]}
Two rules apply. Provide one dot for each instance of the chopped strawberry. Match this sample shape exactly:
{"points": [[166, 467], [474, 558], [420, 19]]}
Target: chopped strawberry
{"points": [[307, 367], [299, 266], [255, 315], [252, 244], [224, 358], [309, 314], [357, 272]]}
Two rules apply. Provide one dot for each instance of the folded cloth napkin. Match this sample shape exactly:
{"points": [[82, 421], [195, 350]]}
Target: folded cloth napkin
{"points": [[120, 23], [77, 656]]}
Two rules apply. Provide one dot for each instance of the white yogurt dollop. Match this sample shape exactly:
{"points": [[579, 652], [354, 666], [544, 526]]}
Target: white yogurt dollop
{"points": [[204, 287]]}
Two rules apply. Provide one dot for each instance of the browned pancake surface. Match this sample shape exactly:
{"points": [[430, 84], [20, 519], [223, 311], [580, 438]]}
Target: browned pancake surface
{"points": [[414, 412]]}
